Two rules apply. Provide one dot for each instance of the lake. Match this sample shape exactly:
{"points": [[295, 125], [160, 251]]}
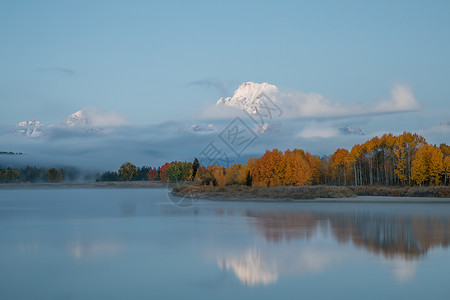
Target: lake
{"points": [[135, 244]]}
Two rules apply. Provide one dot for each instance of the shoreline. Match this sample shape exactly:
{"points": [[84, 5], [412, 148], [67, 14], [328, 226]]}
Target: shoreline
{"points": [[104, 184], [356, 200], [315, 193], [238, 193]]}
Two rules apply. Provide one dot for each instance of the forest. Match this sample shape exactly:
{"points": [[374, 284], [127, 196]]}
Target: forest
{"points": [[403, 160], [406, 159]]}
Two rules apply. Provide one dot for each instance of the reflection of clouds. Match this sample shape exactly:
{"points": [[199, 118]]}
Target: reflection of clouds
{"points": [[316, 261], [250, 268], [254, 266], [82, 250], [404, 269]]}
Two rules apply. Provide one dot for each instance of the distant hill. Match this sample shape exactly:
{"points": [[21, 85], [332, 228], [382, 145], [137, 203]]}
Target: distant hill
{"points": [[10, 153]]}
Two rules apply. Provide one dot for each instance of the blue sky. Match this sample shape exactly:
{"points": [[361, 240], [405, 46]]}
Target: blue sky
{"points": [[138, 57], [145, 60]]}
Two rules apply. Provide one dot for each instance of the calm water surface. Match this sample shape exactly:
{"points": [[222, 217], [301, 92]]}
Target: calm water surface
{"points": [[133, 244]]}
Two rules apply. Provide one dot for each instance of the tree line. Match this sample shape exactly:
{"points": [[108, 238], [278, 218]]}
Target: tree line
{"points": [[42, 174], [406, 159]]}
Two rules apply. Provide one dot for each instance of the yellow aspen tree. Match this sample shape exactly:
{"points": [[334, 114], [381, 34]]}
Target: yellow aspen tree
{"points": [[446, 165]]}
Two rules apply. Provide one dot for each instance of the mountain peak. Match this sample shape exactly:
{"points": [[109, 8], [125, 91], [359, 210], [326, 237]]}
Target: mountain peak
{"points": [[76, 119], [29, 123], [32, 128], [351, 130], [249, 96]]}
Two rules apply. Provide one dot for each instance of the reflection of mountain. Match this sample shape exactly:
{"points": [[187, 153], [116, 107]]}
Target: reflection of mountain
{"points": [[405, 235], [250, 268], [264, 266], [399, 237]]}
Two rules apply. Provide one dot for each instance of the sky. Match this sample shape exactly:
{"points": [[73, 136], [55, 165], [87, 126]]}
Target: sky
{"points": [[155, 62]]}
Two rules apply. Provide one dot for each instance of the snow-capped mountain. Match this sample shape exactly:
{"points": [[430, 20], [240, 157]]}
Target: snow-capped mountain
{"points": [[250, 96], [76, 119], [31, 128], [351, 130], [268, 128], [196, 128]]}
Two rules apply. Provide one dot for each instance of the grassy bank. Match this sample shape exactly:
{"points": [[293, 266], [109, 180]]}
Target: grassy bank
{"points": [[239, 192], [429, 191], [286, 193]]}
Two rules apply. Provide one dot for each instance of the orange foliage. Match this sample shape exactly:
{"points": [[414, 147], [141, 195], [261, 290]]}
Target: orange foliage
{"points": [[388, 160]]}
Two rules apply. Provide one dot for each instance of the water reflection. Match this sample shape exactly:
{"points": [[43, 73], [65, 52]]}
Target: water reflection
{"points": [[112, 242], [264, 266], [250, 268], [410, 236], [81, 250], [398, 239]]}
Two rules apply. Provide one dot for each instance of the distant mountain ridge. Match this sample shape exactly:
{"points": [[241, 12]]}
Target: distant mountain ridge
{"points": [[32, 128], [351, 130], [35, 129]]}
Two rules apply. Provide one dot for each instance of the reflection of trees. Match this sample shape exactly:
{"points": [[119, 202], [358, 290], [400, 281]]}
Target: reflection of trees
{"points": [[279, 226], [387, 234]]}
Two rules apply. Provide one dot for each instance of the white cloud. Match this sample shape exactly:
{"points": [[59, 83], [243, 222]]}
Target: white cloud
{"points": [[102, 118], [299, 105], [403, 270], [402, 99], [313, 105], [318, 132]]}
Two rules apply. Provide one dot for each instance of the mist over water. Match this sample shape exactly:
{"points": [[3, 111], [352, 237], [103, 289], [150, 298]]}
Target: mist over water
{"points": [[133, 243]]}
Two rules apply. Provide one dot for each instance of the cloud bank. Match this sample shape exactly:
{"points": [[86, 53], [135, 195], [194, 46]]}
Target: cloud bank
{"points": [[102, 118], [299, 105], [313, 105]]}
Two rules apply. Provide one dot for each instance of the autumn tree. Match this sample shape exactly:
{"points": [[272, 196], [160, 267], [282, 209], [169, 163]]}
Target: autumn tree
{"points": [[127, 170], [446, 165], [427, 166], [338, 162], [152, 175], [268, 170], [163, 172], [179, 171], [297, 169], [9, 175], [314, 165], [219, 174], [53, 175], [405, 147]]}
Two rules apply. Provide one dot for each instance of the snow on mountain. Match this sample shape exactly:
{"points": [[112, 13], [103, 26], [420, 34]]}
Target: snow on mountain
{"points": [[268, 128], [351, 130], [250, 96], [197, 128], [31, 128], [76, 119]]}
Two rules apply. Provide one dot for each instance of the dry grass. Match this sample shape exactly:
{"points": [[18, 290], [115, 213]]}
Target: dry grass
{"points": [[274, 193], [429, 191], [286, 193]]}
